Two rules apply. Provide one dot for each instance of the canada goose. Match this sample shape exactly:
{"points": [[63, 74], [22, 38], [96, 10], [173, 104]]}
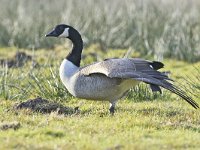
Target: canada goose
{"points": [[109, 79]]}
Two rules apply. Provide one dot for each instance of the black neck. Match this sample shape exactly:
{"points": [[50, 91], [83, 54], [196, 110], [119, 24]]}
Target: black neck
{"points": [[75, 55]]}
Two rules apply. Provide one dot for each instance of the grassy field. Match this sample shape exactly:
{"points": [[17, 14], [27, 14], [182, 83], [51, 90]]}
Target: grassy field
{"points": [[142, 121], [167, 31]]}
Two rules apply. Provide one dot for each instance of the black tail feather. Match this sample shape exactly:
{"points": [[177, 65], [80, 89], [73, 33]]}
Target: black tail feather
{"points": [[183, 95], [169, 86], [156, 65]]}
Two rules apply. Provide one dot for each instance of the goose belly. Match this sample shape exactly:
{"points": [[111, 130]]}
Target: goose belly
{"points": [[100, 87]]}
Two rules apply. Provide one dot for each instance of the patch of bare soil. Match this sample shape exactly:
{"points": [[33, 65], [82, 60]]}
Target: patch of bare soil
{"points": [[9, 125], [45, 106], [18, 60]]}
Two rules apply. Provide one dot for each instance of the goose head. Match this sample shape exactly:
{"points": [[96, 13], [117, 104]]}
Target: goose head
{"points": [[66, 31], [61, 31]]}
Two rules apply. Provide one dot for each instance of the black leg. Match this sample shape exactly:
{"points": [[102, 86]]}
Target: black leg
{"points": [[112, 107], [112, 110], [76, 109]]}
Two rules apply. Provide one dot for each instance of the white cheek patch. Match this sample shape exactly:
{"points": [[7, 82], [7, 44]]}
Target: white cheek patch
{"points": [[65, 33], [151, 66]]}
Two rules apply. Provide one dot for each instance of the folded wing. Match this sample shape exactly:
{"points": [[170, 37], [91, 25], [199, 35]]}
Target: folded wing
{"points": [[137, 69]]}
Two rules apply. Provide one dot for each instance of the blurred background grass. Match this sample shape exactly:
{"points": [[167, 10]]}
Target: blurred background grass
{"points": [[156, 28]]}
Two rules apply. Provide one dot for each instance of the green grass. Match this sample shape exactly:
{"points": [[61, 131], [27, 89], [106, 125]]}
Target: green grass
{"points": [[142, 120], [142, 125]]}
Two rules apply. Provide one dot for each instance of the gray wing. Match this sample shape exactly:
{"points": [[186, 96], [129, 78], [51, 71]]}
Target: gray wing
{"points": [[137, 69]]}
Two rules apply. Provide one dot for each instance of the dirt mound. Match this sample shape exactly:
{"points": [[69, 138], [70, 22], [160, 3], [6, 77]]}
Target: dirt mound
{"points": [[44, 106], [18, 60], [9, 125]]}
